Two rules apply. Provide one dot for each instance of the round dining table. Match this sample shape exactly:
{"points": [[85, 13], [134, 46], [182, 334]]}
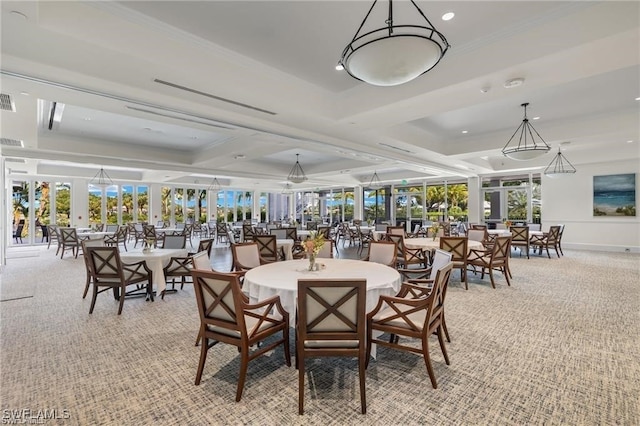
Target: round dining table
{"points": [[281, 279]]}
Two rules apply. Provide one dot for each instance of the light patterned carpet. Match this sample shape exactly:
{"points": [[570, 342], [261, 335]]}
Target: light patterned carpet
{"points": [[560, 346]]}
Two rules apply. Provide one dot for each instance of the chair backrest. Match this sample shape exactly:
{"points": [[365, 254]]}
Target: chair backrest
{"points": [[206, 245], [477, 234], [554, 234], [67, 235], [218, 297], [441, 259], [111, 228], [312, 226], [519, 234], [457, 246], [247, 231], [245, 256], [291, 233], [221, 228], [395, 230], [149, 232], [105, 264], [325, 231], [280, 234], [500, 252], [267, 246], [332, 310], [326, 252], [398, 240], [180, 225], [175, 241], [51, 230], [201, 260], [477, 226], [384, 252]]}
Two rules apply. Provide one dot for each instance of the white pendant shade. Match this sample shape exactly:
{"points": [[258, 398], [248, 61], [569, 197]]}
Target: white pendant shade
{"points": [[394, 60]]}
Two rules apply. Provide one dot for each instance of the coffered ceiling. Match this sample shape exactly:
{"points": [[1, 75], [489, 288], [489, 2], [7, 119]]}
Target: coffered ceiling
{"points": [[180, 91]]}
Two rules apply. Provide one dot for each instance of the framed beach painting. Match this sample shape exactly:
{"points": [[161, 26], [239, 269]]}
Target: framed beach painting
{"points": [[614, 195]]}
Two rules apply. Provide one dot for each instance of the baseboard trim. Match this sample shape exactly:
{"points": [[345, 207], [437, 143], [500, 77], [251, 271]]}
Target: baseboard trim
{"points": [[601, 247]]}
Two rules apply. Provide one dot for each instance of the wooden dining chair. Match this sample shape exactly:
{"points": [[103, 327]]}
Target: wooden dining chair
{"points": [[109, 273], [493, 258], [119, 237], [268, 247], [458, 247], [331, 323], [96, 242], [548, 239], [226, 316], [520, 238], [415, 312]]}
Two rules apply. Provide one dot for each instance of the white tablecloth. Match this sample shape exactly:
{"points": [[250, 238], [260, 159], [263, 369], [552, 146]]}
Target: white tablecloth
{"points": [[429, 243], [281, 278], [156, 260], [94, 235], [499, 232], [287, 246]]}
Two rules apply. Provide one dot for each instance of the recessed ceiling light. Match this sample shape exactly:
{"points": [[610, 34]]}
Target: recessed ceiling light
{"points": [[24, 93], [629, 141], [87, 118], [339, 67], [193, 137], [638, 98], [536, 118], [448, 16], [464, 132]]}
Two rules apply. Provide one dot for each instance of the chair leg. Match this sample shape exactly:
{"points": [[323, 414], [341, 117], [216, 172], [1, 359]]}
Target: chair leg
{"points": [[122, 296], [86, 286], [444, 328], [506, 273], [93, 298], [463, 273], [300, 384], [285, 343], [493, 284], [369, 338], [427, 361], [439, 332], [244, 363], [203, 357], [363, 397]]}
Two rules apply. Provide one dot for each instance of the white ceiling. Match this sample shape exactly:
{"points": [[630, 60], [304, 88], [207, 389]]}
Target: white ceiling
{"points": [[250, 84]]}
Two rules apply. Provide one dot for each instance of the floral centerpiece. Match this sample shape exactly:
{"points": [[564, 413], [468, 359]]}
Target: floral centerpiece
{"points": [[507, 224], [434, 229], [312, 246], [146, 246]]}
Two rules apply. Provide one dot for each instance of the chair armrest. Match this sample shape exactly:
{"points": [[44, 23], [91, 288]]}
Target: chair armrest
{"points": [[390, 300], [421, 272], [273, 300], [132, 267]]}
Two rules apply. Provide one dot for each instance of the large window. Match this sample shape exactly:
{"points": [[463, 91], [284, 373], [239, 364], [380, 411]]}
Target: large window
{"points": [[142, 204], [515, 198]]}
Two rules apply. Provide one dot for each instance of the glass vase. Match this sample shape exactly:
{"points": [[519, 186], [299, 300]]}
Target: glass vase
{"points": [[312, 261]]}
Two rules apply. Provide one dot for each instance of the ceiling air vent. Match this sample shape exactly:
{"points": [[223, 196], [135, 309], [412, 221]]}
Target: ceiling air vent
{"points": [[209, 95], [11, 142], [16, 160], [396, 148], [6, 103]]}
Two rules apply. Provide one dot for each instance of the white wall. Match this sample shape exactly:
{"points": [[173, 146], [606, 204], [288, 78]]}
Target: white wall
{"points": [[569, 200], [79, 203]]}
